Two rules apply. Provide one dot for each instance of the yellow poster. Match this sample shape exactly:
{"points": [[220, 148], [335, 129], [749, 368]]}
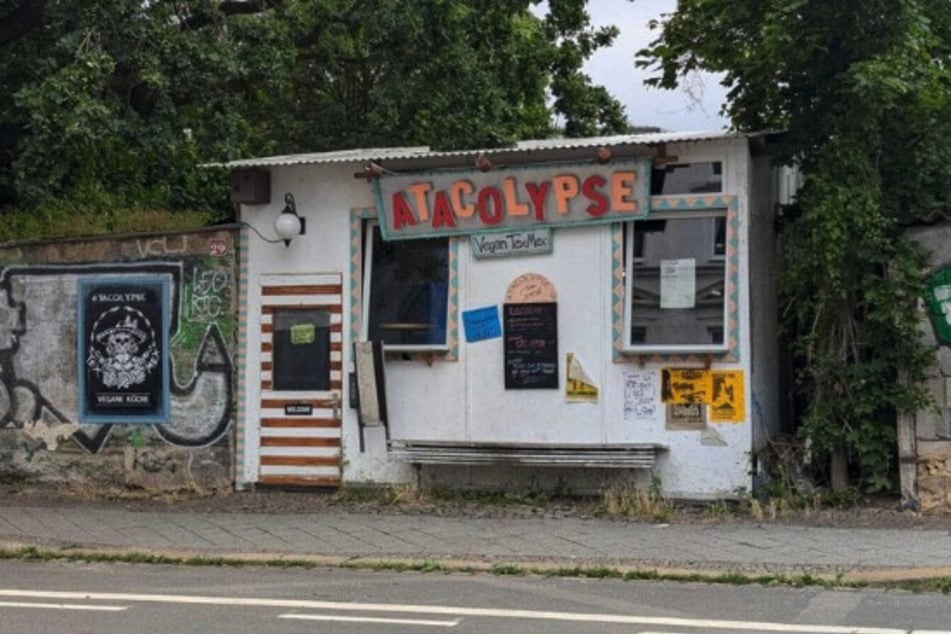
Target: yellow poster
{"points": [[728, 404], [579, 387], [680, 386]]}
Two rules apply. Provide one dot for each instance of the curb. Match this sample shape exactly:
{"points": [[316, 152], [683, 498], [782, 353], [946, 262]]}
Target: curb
{"points": [[723, 572]]}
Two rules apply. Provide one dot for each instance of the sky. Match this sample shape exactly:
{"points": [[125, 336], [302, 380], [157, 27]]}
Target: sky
{"points": [[614, 69]]}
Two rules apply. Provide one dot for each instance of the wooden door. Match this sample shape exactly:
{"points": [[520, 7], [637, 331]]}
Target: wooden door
{"points": [[301, 380]]}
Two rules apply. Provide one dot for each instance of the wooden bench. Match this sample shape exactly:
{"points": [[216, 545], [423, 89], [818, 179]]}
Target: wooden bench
{"points": [[615, 456]]}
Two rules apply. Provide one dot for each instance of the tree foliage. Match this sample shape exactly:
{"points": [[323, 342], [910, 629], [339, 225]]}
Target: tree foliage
{"points": [[863, 90], [115, 101]]}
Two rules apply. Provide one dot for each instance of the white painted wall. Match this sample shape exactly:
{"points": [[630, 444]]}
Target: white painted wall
{"points": [[465, 400]]}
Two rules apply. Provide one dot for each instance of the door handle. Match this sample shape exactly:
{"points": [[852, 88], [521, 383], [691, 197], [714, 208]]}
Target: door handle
{"points": [[336, 400]]}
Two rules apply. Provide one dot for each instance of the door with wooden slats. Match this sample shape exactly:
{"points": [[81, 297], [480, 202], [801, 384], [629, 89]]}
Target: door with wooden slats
{"points": [[301, 380]]}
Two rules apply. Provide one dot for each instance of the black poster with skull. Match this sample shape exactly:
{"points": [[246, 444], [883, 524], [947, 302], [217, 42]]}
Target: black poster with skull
{"points": [[122, 350]]}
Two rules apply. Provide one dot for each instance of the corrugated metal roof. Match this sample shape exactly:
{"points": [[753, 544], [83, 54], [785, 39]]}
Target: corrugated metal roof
{"points": [[340, 156], [380, 154]]}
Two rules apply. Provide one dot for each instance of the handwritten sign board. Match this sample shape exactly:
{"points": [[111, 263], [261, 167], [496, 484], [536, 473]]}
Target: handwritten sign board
{"points": [[530, 288], [531, 345], [495, 245]]}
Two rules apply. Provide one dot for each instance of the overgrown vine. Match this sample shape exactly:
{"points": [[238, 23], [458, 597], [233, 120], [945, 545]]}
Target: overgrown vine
{"points": [[862, 91]]}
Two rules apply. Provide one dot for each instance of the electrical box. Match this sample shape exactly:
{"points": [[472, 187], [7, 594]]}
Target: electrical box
{"points": [[251, 186]]}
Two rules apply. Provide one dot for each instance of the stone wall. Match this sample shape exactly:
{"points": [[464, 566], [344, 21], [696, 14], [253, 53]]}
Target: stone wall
{"points": [[45, 433], [932, 426]]}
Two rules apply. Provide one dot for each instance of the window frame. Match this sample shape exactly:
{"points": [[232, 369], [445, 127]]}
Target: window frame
{"points": [[628, 272], [366, 238]]}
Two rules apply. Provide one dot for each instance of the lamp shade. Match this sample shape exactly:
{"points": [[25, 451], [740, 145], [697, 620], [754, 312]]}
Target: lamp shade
{"points": [[287, 225]]}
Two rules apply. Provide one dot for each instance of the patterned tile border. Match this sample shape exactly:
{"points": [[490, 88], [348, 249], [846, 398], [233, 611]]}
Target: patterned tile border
{"points": [[240, 444]]}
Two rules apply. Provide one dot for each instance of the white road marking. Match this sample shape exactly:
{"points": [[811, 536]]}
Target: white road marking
{"points": [[757, 626], [61, 606], [368, 619]]}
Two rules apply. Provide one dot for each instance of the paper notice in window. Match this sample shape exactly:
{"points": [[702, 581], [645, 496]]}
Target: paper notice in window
{"points": [[678, 283]]}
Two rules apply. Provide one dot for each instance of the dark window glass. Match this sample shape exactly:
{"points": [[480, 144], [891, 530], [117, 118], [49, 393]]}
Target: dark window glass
{"points": [[719, 241], [408, 291], [687, 178], [301, 349]]}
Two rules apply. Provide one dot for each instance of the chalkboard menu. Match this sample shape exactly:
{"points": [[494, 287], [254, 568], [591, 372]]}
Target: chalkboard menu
{"points": [[531, 345]]}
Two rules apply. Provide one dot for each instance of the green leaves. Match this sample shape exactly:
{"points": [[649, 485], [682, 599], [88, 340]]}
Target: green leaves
{"points": [[863, 89], [101, 92]]}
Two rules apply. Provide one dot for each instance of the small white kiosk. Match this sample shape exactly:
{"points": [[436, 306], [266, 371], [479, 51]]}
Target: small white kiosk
{"points": [[590, 308]]}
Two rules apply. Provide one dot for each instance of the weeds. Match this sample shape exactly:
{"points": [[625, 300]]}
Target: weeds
{"points": [[806, 579], [631, 501]]}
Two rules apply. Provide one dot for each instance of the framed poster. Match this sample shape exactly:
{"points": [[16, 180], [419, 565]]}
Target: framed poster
{"points": [[122, 341]]}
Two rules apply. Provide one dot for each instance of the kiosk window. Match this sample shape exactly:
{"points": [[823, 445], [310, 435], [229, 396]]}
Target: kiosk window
{"points": [[301, 350], [676, 276], [406, 291]]}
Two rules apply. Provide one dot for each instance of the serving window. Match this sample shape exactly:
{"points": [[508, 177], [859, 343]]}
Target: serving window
{"points": [[676, 282], [405, 291], [674, 266]]}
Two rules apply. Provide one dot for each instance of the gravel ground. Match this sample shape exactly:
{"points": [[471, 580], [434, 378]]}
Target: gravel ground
{"points": [[878, 512]]}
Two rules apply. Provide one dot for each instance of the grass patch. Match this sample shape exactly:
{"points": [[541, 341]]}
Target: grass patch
{"points": [[32, 553], [513, 570], [57, 220], [632, 501]]}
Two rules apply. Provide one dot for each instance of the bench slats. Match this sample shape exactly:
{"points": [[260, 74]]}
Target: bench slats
{"points": [[637, 456]]}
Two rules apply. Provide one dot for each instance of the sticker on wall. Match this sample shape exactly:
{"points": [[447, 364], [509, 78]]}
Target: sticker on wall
{"points": [[686, 385], [580, 387], [712, 438], [123, 350], [678, 283], [482, 323], [530, 288], [685, 417], [938, 300], [641, 395], [728, 402]]}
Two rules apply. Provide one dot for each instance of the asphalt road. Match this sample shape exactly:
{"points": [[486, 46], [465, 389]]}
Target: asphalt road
{"points": [[95, 598]]}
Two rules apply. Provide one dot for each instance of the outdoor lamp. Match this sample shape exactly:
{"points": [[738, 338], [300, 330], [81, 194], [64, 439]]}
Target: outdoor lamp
{"points": [[288, 225]]}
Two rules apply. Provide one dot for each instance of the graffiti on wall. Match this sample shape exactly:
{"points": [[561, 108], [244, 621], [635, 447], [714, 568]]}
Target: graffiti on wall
{"points": [[938, 302], [38, 361]]}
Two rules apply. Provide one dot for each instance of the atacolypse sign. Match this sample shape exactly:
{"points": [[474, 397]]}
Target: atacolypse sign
{"points": [[123, 350], [459, 203]]}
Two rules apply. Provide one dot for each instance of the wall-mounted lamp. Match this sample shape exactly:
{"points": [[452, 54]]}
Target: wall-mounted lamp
{"points": [[288, 225]]}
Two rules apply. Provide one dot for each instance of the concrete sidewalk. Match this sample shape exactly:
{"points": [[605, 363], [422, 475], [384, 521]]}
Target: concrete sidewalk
{"points": [[337, 536]]}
